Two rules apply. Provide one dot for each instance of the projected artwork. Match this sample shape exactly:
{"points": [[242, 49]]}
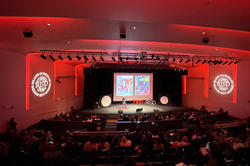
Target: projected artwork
{"points": [[41, 84], [223, 84], [133, 86], [142, 85], [124, 85]]}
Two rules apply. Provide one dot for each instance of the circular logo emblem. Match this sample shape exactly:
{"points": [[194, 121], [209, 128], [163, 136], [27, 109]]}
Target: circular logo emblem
{"points": [[164, 100], [106, 101], [41, 84], [223, 84]]}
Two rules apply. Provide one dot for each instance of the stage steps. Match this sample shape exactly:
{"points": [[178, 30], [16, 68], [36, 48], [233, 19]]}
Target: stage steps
{"points": [[111, 124]]}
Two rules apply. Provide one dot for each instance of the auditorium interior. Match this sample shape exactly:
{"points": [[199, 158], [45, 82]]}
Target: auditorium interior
{"points": [[111, 82]]}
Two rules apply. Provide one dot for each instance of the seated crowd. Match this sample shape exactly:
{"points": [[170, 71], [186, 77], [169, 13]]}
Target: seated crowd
{"points": [[198, 147]]}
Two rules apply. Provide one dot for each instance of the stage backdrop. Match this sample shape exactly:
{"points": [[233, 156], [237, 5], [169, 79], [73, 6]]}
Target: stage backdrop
{"points": [[100, 82]]}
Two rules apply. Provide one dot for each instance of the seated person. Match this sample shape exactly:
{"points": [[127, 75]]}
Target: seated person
{"points": [[125, 142]]}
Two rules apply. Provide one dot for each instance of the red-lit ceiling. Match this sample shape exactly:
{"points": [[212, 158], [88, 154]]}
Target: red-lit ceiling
{"points": [[229, 14], [84, 23]]}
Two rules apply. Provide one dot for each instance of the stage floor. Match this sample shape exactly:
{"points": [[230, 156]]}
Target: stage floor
{"points": [[131, 109]]}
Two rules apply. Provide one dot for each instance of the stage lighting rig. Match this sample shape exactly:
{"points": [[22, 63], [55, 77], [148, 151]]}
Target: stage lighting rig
{"points": [[60, 57], [198, 61], [78, 57], [86, 58], [225, 62], [69, 57], [188, 60], [215, 62], [220, 62], [93, 58], [180, 60], [204, 61], [52, 58], [101, 58], [43, 56], [236, 62], [230, 62]]}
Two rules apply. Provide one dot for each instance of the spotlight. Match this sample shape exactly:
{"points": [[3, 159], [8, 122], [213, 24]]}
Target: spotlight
{"points": [[113, 58], [60, 57], [86, 58], [198, 61], [225, 62], [204, 61], [205, 40], [43, 56], [215, 62], [69, 57], [93, 58], [166, 59], [230, 63], [187, 61], [159, 62], [78, 57], [153, 55], [209, 61], [180, 60], [120, 58], [51, 57], [236, 62], [173, 59], [101, 58], [220, 62]]}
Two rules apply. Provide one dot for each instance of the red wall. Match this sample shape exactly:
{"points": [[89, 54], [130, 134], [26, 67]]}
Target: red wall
{"points": [[236, 103], [17, 70]]}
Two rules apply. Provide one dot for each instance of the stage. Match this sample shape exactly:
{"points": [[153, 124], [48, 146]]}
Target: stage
{"points": [[131, 108]]}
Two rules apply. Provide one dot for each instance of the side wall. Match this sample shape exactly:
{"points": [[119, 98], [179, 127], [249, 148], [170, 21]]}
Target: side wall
{"points": [[16, 76], [236, 103]]}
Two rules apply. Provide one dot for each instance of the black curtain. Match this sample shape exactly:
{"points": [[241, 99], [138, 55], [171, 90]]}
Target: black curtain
{"points": [[99, 82], [89, 88]]}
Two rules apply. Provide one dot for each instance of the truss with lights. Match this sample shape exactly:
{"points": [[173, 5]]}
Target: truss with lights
{"points": [[136, 57]]}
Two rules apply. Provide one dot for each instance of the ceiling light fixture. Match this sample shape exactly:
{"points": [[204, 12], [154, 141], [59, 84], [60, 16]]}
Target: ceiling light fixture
{"points": [[51, 57], [60, 57], [236, 62], [198, 61], [43, 56], [78, 57], [204, 61], [86, 58], [69, 57]]}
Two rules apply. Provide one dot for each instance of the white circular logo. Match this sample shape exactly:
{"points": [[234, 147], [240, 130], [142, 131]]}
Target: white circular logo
{"points": [[164, 100], [41, 84], [223, 84], [106, 101]]}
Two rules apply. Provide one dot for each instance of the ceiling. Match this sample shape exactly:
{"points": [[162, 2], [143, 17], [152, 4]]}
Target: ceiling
{"points": [[162, 25], [233, 14]]}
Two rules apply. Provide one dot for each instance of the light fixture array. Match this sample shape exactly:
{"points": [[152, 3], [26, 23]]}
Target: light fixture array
{"points": [[130, 57]]}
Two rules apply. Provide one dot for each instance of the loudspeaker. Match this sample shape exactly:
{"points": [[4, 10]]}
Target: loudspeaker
{"points": [[139, 109], [123, 35], [27, 33], [205, 40], [123, 31]]}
